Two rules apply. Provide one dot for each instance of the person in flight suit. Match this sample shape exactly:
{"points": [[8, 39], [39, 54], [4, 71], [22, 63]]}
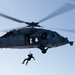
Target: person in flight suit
{"points": [[30, 56]]}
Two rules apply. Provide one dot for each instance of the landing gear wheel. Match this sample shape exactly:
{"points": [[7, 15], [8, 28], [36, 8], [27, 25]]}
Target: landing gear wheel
{"points": [[43, 49], [71, 43]]}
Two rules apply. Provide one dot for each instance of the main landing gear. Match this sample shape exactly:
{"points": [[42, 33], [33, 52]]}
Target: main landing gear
{"points": [[43, 49], [71, 43]]}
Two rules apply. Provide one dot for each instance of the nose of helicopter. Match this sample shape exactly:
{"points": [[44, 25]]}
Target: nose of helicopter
{"points": [[66, 41]]}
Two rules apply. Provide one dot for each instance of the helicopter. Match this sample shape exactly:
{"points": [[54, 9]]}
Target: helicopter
{"points": [[33, 35]]}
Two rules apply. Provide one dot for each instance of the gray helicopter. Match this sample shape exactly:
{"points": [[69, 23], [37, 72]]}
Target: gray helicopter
{"points": [[33, 35]]}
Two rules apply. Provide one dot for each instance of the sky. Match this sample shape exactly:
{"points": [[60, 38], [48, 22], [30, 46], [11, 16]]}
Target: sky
{"points": [[57, 61]]}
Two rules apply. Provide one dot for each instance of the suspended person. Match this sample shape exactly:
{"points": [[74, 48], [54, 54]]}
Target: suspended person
{"points": [[30, 56]]}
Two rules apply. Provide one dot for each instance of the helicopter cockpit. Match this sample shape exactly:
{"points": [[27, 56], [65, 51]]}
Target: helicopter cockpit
{"points": [[55, 34]]}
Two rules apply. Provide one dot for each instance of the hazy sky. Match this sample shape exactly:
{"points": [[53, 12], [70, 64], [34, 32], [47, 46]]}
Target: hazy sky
{"points": [[57, 61]]}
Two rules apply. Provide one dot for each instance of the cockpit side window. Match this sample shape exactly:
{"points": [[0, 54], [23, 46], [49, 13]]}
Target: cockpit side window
{"points": [[44, 35], [54, 34]]}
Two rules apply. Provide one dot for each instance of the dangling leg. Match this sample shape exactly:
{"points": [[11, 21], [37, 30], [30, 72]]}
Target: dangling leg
{"points": [[24, 61]]}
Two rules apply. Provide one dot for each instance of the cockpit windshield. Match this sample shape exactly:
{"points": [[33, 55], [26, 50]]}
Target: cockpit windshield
{"points": [[55, 34]]}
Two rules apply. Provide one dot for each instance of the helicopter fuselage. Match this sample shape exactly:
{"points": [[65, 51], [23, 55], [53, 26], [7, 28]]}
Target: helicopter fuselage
{"points": [[33, 38]]}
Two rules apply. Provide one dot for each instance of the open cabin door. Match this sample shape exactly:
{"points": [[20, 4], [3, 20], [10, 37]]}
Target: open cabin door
{"points": [[30, 40], [27, 39]]}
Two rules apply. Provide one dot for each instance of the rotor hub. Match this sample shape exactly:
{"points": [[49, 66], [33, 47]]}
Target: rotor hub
{"points": [[33, 24]]}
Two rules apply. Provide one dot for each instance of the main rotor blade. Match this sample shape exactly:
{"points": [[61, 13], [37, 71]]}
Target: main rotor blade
{"points": [[67, 30], [12, 29], [14, 19], [67, 7]]}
